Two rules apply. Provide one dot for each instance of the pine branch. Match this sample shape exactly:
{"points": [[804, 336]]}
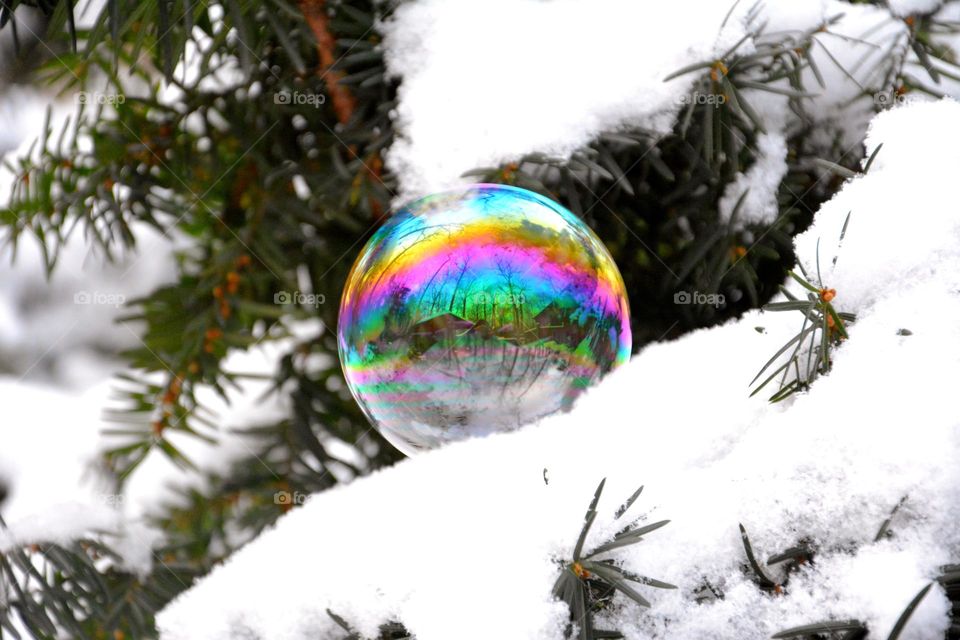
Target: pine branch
{"points": [[83, 590], [586, 583], [314, 12]]}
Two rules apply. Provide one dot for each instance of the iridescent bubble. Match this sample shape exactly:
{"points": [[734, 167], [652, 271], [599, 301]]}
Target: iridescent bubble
{"points": [[478, 311]]}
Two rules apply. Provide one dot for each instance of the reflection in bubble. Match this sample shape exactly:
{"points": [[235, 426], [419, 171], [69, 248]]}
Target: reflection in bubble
{"points": [[478, 311]]}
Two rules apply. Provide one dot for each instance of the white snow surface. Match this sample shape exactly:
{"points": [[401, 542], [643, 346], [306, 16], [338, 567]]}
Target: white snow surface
{"points": [[759, 183], [463, 542], [487, 82], [908, 7], [507, 77], [77, 499]]}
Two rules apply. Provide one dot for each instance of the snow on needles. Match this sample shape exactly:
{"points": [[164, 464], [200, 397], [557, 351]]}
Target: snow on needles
{"points": [[508, 77], [465, 541], [488, 82], [759, 183]]}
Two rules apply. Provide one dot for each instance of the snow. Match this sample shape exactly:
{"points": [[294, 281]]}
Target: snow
{"points": [[29, 424], [73, 313], [61, 384], [77, 500], [912, 7], [760, 182], [20, 109], [58, 343], [479, 533], [507, 77], [59, 339], [510, 77]]}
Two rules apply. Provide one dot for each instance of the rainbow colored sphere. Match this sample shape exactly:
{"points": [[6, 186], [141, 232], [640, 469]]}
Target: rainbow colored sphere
{"points": [[478, 311]]}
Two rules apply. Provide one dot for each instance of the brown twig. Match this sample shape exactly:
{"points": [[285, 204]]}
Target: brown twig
{"points": [[316, 16]]}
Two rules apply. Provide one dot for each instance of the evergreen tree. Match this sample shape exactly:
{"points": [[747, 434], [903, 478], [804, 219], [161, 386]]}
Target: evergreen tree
{"points": [[275, 174]]}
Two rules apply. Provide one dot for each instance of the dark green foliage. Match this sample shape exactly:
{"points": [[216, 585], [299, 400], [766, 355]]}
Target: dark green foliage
{"points": [[823, 328], [763, 581], [82, 589], [587, 584]]}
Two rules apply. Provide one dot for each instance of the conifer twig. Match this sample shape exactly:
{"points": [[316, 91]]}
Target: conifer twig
{"points": [[314, 12]]}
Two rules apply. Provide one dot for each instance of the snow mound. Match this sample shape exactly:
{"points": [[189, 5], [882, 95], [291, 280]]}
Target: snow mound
{"points": [[464, 542], [487, 82], [580, 73]]}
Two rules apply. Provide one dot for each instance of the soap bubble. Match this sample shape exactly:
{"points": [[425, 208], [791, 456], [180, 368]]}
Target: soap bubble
{"points": [[478, 311]]}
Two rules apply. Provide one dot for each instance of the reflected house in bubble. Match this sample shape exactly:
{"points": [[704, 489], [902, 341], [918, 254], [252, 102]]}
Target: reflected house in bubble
{"points": [[443, 330], [478, 311]]}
